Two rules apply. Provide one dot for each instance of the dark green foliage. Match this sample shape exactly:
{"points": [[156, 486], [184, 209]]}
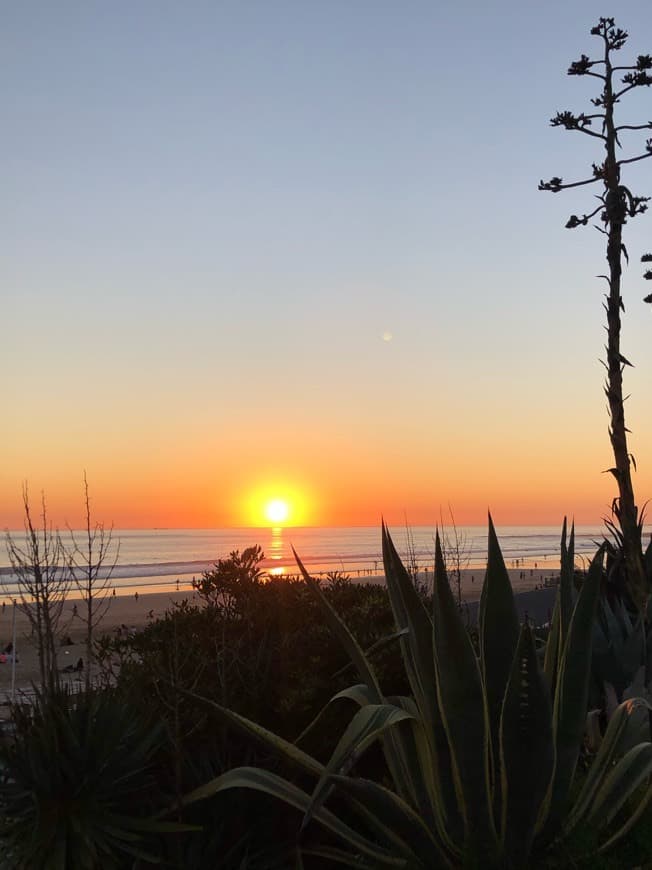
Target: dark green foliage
{"points": [[267, 653], [78, 790], [232, 580]]}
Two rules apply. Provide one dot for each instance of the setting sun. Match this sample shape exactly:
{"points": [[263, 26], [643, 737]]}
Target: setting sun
{"points": [[277, 510], [277, 503]]}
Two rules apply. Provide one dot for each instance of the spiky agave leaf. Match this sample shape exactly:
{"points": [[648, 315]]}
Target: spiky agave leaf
{"points": [[499, 637], [552, 654], [527, 750], [614, 743], [342, 633], [434, 793], [462, 702], [413, 777], [360, 694], [280, 747], [395, 815], [634, 769], [571, 698], [366, 726], [280, 788], [562, 610]]}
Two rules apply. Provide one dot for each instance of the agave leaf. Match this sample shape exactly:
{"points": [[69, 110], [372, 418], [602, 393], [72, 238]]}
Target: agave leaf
{"points": [[421, 773], [410, 613], [647, 561], [365, 727], [593, 732], [566, 577], [527, 750], [637, 687], [553, 654], [499, 637], [561, 612], [607, 647], [615, 739], [277, 744], [633, 651], [360, 694], [342, 633], [407, 776], [622, 781], [626, 621], [615, 628], [148, 826], [377, 645], [631, 820], [464, 712], [337, 856], [276, 786], [571, 696], [600, 639], [413, 836], [418, 657]]}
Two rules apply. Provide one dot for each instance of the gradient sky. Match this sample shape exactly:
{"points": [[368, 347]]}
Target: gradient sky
{"points": [[214, 215]]}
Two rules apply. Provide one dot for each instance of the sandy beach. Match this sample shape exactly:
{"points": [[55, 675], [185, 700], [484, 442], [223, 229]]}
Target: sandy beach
{"points": [[135, 611]]}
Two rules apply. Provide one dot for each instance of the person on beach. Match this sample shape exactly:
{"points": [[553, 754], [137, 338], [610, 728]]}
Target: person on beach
{"points": [[8, 654], [74, 669]]}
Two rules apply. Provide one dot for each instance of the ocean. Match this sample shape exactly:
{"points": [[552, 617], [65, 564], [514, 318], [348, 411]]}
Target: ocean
{"points": [[160, 559]]}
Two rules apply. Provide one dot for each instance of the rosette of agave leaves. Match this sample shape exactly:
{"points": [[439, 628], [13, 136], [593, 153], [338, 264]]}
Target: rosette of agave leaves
{"points": [[482, 757]]}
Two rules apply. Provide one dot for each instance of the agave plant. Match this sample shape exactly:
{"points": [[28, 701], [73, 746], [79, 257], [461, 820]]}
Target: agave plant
{"points": [[621, 667], [482, 758], [618, 584], [77, 785], [622, 645]]}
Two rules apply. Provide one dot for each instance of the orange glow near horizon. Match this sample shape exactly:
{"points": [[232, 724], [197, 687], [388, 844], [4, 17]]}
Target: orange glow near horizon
{"points": [[326, 480]]}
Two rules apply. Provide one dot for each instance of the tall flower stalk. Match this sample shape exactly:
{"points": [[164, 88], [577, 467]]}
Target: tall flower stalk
{"points": [[616, 205]]}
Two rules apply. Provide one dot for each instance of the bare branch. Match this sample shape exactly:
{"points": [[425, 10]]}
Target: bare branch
{"points": [[42, 583], [570, 121], [92, 565], [575, 221], [633, 80], [647, 126], [556, 184]]}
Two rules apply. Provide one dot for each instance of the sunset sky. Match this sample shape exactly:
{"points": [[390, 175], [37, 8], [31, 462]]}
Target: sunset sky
{"points": [[295, 250]]}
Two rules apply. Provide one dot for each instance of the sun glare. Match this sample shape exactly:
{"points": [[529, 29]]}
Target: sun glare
{"points": [[277, 510], [277, 503]]}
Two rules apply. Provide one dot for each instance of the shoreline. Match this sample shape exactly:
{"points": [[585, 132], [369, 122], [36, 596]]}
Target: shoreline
{"points": [[520, 570], [135, 610]]}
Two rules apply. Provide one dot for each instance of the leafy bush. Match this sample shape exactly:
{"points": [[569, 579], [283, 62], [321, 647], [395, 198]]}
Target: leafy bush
{"points": [[267, 653]]}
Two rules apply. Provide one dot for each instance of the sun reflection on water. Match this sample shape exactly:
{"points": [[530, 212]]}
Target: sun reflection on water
{"points": [[275, 551]]}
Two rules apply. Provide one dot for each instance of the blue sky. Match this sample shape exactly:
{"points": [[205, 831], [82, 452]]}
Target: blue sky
{"points": [[212, 212]]}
